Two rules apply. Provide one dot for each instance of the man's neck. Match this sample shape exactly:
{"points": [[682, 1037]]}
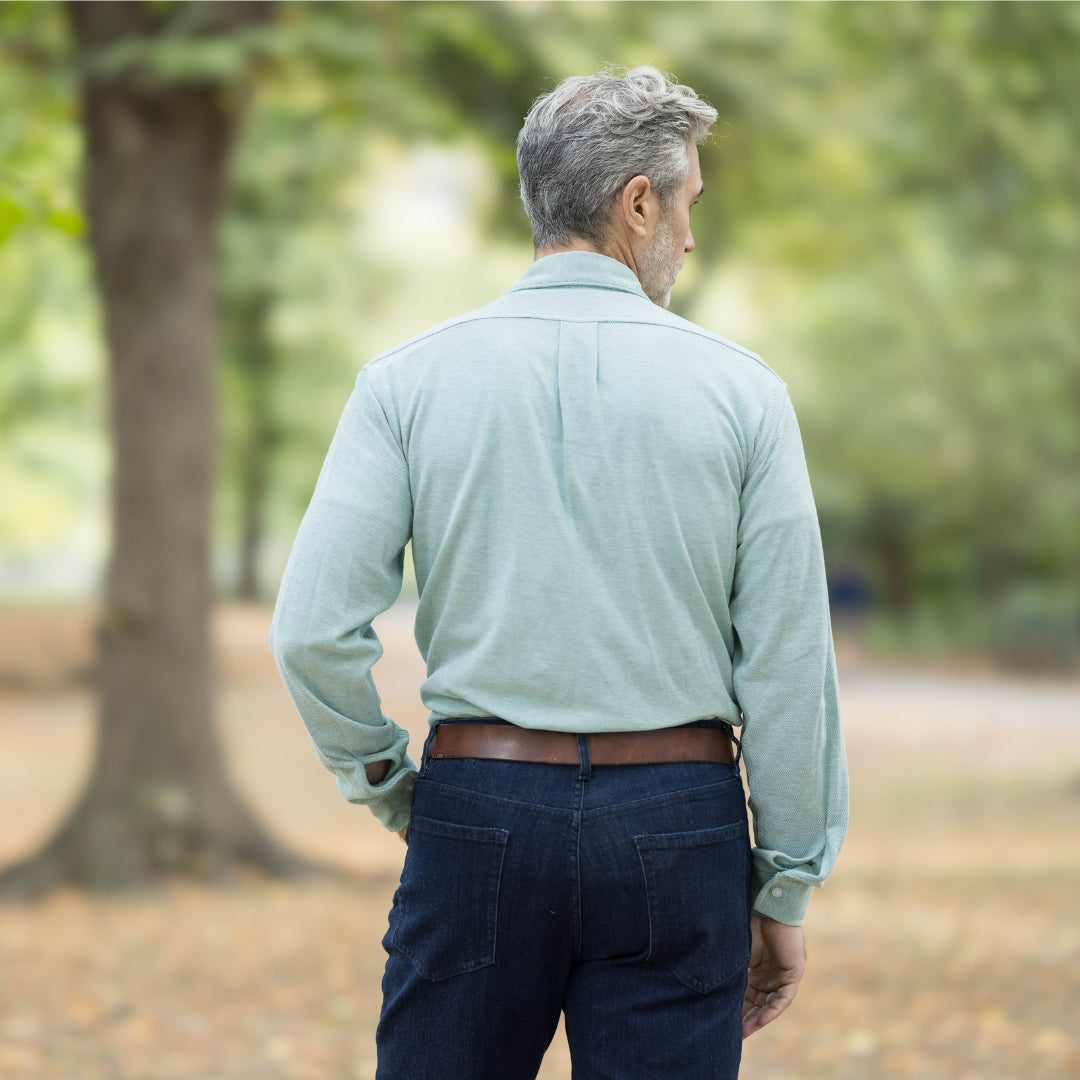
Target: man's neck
{"points": [[612, 248], [577, 243]]}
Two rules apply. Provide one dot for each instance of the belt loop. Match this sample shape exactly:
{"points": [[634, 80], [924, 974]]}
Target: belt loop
{"points": [[424, 758], [738, 746], [585, 772]]}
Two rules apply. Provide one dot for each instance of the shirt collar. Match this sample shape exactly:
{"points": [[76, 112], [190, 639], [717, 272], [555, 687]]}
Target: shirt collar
{"points": [[579, 269]]}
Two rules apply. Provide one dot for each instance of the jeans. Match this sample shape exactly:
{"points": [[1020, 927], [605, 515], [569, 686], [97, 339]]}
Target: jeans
{"points": [[618, 895]]}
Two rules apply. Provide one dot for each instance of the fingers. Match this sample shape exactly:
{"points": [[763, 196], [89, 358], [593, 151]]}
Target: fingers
{"points": [[760, 1008], [777, 963]]}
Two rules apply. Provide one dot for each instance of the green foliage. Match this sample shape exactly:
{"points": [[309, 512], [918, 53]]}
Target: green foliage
{"points": [[37, 139], [890, 219], [932, 241], [331, 71], [51, 453]]}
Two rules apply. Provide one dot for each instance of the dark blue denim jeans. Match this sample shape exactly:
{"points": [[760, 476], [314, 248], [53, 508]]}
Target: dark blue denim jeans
{"points": [[618, 895]]}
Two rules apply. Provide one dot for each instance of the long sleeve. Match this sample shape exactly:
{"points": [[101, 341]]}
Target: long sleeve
{"points": [[784, 676], [345, 569]]}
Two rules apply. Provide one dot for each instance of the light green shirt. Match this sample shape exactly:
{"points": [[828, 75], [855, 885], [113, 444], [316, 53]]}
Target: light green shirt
{"points": [[612, 529]]}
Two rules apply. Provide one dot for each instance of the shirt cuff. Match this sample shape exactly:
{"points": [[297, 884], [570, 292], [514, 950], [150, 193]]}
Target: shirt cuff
{"points": [[784, 900], [391, 802]]}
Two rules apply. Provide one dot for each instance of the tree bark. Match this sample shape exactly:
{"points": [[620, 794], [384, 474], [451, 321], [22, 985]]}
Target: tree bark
{"points": [[158, 800], [255, 357]]}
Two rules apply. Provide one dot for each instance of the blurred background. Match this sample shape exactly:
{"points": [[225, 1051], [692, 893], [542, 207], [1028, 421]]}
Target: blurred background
{"points": [[891, 221]]}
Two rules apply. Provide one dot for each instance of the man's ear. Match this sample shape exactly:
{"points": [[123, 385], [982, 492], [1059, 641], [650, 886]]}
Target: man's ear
{"points": [[636, 205]]}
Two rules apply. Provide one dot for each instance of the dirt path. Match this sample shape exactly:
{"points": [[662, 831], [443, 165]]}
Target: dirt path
{"points": [[947, 945]]}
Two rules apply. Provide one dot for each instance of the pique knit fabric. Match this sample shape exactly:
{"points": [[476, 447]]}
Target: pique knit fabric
{"points": [[612, 528]]}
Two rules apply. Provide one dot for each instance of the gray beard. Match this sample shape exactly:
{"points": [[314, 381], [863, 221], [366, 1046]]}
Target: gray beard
{"points": [[661, 266]]}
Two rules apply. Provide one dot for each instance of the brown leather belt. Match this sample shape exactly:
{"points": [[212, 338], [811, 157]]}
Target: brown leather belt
{"points": [[499, 742]]}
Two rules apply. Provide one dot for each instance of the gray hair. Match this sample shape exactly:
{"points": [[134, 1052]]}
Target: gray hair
{"points": [[586, 139]]}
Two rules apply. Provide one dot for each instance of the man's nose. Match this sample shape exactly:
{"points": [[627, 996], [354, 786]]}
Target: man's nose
{"points": [[689, 246]]}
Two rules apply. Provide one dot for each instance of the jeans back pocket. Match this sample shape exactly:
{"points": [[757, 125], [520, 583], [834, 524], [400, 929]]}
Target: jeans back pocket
{"points": [[698, 889], [445, 912]]}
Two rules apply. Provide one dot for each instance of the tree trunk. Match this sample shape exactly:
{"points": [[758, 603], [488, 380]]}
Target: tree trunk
{"points": [[158, 800], [255, 357], [889, 542]]}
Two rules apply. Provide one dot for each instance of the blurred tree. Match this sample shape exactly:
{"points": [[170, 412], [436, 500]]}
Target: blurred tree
{"points": [[162, 99], [929, 242], [336, 77], [897, 206], [893, 192], [164, 89], [48, 395]]}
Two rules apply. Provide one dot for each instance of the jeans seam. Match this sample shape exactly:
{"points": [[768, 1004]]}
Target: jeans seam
{"points": [[661, 799], [575, 925], [484, 797], [682, 795]]}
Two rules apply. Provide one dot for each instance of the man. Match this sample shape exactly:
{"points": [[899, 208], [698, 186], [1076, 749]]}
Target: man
{"points": [[618, 562]]}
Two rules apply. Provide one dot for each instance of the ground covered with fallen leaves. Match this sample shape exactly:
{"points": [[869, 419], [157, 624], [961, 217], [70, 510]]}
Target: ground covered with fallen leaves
{"points": [[946, 946]]}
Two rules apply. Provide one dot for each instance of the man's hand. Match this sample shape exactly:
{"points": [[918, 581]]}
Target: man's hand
{"points": [[777, 963], [376, 772]]}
